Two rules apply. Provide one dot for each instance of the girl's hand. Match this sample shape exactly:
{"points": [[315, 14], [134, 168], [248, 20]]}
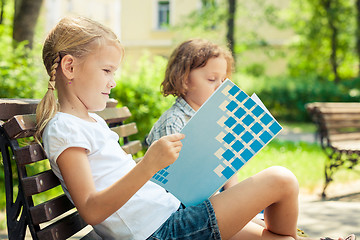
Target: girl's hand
{"points": [[164, 151]]}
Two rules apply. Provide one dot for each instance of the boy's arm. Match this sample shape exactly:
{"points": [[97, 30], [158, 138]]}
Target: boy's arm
{"points": [[95, 206]]}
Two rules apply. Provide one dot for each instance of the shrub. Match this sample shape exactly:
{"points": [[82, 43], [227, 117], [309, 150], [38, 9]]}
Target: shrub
{"points": [[286, 97], [140, 92]]}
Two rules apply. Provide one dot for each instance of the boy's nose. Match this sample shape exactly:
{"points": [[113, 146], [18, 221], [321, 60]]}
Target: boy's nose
{"points": [[218, 84]]}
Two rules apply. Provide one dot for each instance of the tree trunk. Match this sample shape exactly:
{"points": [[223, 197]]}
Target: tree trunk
{"points": [[231, 25], [333, 38], [2, 2], [25, 18], [358, 33]]}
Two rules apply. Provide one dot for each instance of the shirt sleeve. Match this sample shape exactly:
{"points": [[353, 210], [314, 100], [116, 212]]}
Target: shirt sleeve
{"points": [[58, 136], [170, 125]]}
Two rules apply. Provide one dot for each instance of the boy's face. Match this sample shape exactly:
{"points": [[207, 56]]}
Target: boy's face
{"points": [[95, 77], [204, 81]]}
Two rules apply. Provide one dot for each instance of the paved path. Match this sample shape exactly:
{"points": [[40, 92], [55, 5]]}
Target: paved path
{"points": [[334, 217]]}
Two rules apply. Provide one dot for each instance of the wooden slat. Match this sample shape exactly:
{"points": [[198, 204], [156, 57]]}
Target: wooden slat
{"points": [[348, 146], [11, 107], [125, 130], [351, 136], [21, 126], [132, 147], [40, 183], [333, 104], [51, 209], [29, 154], [343, 125], [344, 110], [114, 115], [63, 228], [111, 103], [342, 117]]}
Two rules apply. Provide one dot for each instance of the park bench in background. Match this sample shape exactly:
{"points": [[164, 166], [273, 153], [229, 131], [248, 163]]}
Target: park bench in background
{"points": [[338, 125], [54, 218]]}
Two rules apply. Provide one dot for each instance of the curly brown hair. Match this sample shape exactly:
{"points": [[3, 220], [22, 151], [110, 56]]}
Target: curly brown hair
{"points": [[190, 55]]}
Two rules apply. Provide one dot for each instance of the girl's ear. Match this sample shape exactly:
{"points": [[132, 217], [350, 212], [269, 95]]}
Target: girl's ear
{"points": [[67, 66]]}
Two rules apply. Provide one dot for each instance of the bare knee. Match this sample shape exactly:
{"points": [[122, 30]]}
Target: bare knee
{"points": [[282, 179]]}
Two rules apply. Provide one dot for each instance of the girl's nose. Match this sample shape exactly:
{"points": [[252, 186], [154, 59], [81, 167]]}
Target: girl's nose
{"points": [[112, 83]]}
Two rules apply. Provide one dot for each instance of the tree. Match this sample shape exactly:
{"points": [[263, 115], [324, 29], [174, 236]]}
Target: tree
{"points": [[231, 25], [2, 8], [330, 7], [357, 6], [325, 46], [25, 18]]}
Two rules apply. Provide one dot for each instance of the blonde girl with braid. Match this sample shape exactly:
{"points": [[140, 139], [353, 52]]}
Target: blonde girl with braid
{"points": [[110, 191]]}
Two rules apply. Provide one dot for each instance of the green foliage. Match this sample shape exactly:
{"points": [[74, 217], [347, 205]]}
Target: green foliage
{"points": [[19, 72], [140, 91], [286, 97], [313, 47]]}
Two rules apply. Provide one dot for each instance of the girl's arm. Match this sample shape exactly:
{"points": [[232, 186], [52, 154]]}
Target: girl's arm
{"points": [[95, 207]]}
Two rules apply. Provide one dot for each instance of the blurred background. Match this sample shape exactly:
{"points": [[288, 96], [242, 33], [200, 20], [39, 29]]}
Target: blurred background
{"points": [[289, 52]]}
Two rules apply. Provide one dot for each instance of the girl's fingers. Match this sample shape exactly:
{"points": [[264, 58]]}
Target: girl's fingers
{"points": [[175, 137]]}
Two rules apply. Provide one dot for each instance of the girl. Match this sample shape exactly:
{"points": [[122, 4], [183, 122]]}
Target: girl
{"points": [[195, 70], [109, 190]]}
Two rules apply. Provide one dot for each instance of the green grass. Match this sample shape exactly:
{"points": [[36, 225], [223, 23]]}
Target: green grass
{"points": [[305, 160]]}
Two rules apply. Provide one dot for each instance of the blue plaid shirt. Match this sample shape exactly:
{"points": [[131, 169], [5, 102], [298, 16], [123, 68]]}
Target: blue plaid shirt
{"points": [[171, 121]]}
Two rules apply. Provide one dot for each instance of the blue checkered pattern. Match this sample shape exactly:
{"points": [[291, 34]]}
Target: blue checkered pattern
{"points": [[246, 130], [161, 175]]}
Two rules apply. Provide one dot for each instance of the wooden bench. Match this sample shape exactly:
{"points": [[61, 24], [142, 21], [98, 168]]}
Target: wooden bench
{"points": [[54, 218], [338, 125]]}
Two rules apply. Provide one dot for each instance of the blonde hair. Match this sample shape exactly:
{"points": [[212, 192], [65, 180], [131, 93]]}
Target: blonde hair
{"points": [[76, 36], [187, 56]]}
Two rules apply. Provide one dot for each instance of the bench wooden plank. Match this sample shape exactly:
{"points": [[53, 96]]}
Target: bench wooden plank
{"points": [[40, 182], [51, 209], [11, 107], [64, 228], [132, 147], [114, 115], [125, 130], [352, 146], [21, 126], [30, 154]]}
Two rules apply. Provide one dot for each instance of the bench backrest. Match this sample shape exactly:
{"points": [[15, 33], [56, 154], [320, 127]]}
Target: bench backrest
{"points": [[336, 121], [54, 218]]}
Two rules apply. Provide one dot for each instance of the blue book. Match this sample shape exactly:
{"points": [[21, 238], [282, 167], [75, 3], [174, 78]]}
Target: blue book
{"points": [[225, 133]]}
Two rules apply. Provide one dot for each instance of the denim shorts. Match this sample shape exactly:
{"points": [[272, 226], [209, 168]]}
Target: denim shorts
{"points": [[195, 222]]}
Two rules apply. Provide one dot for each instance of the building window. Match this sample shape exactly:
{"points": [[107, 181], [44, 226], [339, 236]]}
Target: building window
{"points": [[163, 20]]}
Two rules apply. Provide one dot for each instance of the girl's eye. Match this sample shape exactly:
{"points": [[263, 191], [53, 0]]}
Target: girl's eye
{"points": [[107, 70], [211, 80]]}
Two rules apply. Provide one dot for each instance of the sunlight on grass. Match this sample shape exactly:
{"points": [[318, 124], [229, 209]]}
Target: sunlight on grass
{"points": [[305, 160]]}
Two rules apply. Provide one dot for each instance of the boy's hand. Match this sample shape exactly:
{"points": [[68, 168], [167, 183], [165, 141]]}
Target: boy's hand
{"points": [[164, 151]]}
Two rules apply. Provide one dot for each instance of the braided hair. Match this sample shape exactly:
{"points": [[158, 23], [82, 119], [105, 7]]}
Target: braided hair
{"points": [[76, 36]]}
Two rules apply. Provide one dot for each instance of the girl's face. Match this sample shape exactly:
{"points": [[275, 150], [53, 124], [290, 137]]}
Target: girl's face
{"points": [[202, 82], [94, 78]]}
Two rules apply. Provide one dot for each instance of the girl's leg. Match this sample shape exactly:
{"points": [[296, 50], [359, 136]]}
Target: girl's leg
{"points": [[274, 189], [254, 231]]}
